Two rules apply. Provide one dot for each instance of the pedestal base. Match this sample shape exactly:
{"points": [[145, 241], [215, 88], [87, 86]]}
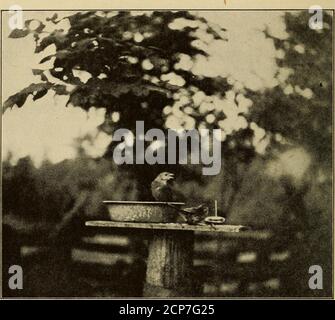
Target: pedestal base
{"points": [[170, 264]]}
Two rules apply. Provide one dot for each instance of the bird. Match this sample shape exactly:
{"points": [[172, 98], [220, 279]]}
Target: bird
{"points": [[162, 190], [194, 215]]}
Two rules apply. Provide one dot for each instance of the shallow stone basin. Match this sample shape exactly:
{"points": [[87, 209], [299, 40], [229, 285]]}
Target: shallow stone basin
{"points": [[143, 211]]}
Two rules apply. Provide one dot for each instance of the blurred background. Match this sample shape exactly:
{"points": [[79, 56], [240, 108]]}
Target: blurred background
{"points": [[71, 78]]}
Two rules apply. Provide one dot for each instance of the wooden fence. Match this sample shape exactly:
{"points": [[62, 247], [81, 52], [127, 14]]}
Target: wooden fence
{"points": [[112, 263]]}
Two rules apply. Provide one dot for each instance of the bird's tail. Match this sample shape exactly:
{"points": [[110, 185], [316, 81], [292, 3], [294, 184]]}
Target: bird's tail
{"points": [[187, 211]]}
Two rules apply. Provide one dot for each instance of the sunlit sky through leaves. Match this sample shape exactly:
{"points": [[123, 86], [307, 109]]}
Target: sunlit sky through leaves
{"points": [[47, 129]]}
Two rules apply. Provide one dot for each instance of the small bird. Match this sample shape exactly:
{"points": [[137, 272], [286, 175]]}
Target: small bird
{"points": [[194, 215], [162, 190]]}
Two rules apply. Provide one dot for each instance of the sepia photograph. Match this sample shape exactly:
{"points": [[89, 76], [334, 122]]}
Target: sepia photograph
{"points": [[164, 153]]}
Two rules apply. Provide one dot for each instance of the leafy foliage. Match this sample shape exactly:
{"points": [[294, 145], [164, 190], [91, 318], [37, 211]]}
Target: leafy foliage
{"points": [[301, 108], [112, 50]]}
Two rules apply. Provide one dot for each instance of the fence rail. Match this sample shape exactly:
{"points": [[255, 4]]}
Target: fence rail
{"points": [[112, 263]]}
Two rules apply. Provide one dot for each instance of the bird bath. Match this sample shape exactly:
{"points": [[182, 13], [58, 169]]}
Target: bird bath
{"points": [[143, 211]]}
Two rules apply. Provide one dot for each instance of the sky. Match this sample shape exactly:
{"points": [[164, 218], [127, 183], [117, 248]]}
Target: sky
{"points": [[47, 129]]}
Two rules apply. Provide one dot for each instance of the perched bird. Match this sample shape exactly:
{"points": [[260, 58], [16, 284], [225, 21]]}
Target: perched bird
{"points": [[162, 190], [194, 215]]}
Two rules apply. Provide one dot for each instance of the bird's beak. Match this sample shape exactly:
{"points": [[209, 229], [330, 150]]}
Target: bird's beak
{"points": [[171, 176]]}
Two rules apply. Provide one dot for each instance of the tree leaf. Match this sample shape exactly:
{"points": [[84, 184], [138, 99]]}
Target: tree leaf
{"points": [[40, 94], [47, 58], [53, 19], [17, 99], [20, 99], [38, 90], [36, 87], [19, 33], [39, 72], [57, 38], [60, 89]]}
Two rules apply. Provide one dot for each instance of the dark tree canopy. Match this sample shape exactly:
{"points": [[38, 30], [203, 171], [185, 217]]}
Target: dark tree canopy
{"points": [[128, 57], [125, 56]]}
